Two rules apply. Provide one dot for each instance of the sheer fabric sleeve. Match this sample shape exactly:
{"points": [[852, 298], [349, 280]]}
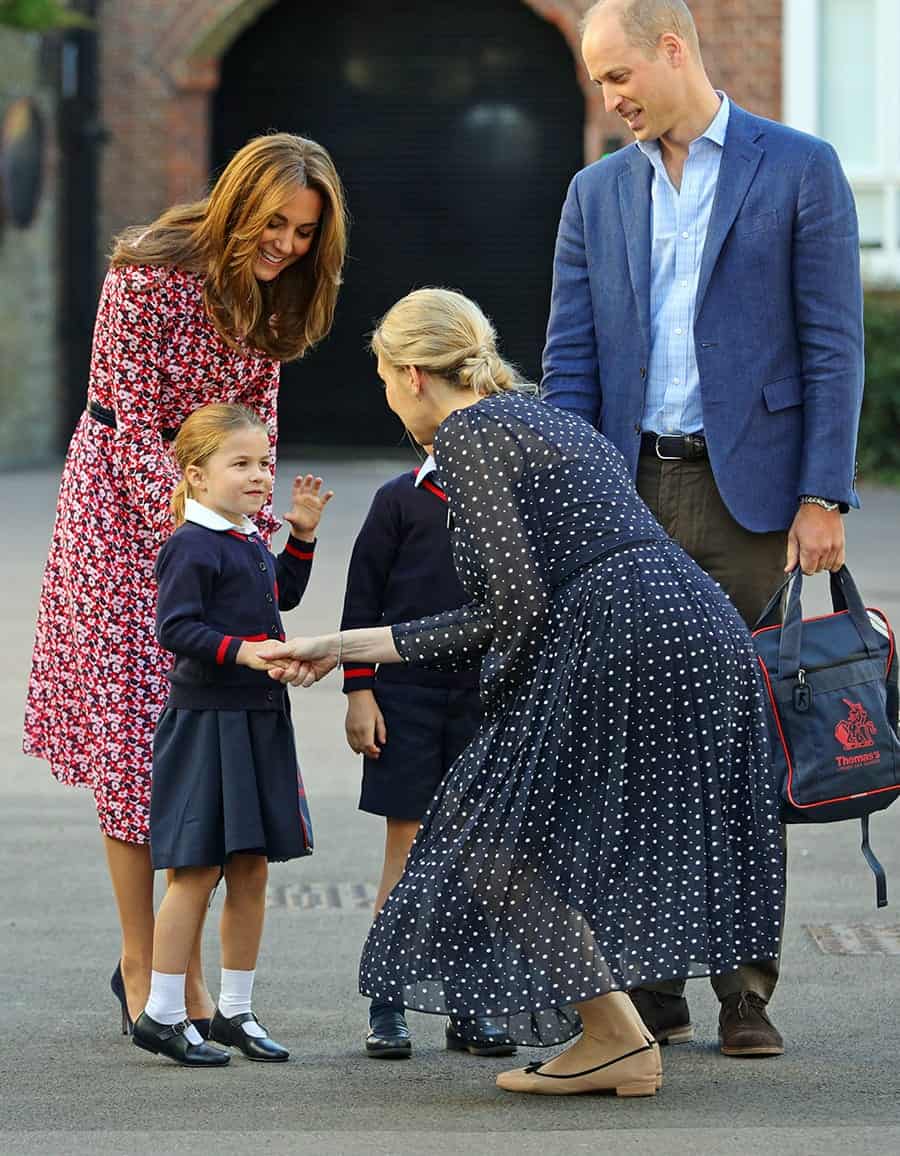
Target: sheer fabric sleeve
{"points": [[131, 323], [496, 545]]}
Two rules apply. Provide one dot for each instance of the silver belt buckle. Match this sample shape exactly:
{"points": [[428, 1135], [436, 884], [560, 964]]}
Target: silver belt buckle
{"points": [[665, 457]]}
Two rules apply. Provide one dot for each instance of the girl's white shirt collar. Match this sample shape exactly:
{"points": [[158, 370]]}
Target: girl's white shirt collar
{"points": [[202, 515]]}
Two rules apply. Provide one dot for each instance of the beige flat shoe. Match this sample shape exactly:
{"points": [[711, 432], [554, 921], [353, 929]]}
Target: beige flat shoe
{"points": [[637, 1073]]}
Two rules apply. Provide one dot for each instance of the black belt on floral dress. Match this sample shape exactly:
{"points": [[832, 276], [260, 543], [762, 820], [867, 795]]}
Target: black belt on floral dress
{"points": [[107, 417]]}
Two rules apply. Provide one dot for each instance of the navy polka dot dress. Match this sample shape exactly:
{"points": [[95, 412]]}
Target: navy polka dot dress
{"points": [[614, 822]]}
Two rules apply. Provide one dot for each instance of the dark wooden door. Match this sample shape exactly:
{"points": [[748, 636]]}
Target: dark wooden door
{"points": [[455, 126]]}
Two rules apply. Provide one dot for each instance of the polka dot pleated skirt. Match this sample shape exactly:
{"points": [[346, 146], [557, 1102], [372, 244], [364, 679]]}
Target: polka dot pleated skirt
{"points": [[614, 824]]}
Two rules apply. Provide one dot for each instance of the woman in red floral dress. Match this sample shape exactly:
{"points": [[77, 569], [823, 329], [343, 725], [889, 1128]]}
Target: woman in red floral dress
{"points": [[201, 306]]}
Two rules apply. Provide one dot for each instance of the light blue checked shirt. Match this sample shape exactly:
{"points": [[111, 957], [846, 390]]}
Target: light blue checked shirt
{"points": [[679, 221]]}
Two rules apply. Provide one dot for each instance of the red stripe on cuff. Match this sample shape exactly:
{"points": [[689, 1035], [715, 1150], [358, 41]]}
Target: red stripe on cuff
{"points": [[255, 638], [301, 554], [223, 649], [360, 672]]}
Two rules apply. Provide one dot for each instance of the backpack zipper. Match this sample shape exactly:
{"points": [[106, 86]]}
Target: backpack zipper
{"points": [[802, 694]]}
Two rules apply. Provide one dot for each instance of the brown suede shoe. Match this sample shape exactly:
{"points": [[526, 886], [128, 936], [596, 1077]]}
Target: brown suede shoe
{"points": [[745, 1029]]}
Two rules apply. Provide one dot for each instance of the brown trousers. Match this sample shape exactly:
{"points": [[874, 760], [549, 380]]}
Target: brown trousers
{"points": [[686, 501]]}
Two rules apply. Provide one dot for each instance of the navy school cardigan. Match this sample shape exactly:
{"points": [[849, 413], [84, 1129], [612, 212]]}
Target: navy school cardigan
{"points": [[402, 568], [217, 589]]}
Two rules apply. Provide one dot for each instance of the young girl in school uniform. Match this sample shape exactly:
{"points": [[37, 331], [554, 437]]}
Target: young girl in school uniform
{"points": [[409, 723], [226, 796]]}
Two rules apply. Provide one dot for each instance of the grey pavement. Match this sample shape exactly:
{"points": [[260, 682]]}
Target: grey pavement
{"points": [[70, 1083]]}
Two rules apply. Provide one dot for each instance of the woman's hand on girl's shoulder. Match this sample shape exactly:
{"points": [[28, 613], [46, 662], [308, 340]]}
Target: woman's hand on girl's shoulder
{"points": [[307, 504]]}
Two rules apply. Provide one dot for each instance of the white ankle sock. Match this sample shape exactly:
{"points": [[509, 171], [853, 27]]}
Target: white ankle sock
{"points": [[166, 1003], [235, 998]]}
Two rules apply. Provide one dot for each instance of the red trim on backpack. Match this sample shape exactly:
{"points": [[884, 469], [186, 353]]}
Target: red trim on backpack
{"points": [[836, 614], [777, 716]]}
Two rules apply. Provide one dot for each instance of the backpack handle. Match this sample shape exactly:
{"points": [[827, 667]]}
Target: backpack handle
{"points": [[844, 596], [767, 618]]}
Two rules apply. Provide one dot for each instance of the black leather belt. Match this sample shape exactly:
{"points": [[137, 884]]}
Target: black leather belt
{"points": [[107, 417], [675, 447]]}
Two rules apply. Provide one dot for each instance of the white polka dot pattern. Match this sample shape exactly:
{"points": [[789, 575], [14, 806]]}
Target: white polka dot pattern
{"points": [[614, 821]]}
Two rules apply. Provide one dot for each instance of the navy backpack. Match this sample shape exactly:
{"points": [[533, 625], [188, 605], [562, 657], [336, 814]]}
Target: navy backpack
{"points": [[831, 686]]}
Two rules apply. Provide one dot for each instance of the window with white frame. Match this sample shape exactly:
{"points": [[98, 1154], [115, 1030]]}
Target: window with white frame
{"points": [[841, 81]]}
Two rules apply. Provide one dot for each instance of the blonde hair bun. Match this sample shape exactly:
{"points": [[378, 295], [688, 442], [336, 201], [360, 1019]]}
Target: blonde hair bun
{"points": [[445, 333]]}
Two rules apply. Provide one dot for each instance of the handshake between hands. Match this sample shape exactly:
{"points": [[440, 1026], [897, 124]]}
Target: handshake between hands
{"points": [[298, 661]]}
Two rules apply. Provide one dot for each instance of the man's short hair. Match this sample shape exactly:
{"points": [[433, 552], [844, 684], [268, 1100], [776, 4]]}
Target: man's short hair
{"points": [[644, 21]]}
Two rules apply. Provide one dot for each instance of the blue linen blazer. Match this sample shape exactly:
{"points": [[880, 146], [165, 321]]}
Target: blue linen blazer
{"points": [[777, 325]]}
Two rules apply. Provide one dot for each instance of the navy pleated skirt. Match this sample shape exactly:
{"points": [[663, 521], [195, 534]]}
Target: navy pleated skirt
{"points": [[226, 781]]}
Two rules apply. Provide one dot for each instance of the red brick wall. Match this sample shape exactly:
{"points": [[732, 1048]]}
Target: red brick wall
{"points": [[741, 45], [159, 66]]}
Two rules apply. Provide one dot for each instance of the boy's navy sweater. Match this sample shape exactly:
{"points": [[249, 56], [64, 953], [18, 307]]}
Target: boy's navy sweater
{"points": [[217, 589], [402, 568]]}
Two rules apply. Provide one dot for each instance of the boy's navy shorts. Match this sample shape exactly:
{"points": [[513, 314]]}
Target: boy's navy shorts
{"points": [[427, 729]]}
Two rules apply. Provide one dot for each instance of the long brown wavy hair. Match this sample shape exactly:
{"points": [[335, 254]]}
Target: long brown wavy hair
{"points": [[219, 237]]}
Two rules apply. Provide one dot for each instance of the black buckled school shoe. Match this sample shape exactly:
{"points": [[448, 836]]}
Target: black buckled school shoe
{"points": [[479, 1037], [388, 1037], [170, 1040], [230, 1033]]}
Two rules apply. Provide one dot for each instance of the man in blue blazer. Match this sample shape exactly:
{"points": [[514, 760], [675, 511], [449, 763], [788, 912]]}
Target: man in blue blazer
{"points": [[706, 317]]}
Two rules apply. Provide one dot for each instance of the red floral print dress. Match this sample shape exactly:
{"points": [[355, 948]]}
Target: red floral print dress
{"points": [[98, 679]]}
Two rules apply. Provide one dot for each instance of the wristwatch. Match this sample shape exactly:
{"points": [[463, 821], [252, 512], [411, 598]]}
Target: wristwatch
{"points": [[815, 500]]}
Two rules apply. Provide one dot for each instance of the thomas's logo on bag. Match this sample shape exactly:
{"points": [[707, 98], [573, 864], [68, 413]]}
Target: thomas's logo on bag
{"points": [[855, 732]]}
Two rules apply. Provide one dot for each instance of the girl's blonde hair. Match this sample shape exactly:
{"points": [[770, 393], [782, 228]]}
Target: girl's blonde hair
{"points": [[201, 435], [446, 334], [219, 238]]}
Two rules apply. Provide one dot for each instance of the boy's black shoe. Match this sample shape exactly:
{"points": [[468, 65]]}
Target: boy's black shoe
{"points": [[479, 1036], [388, 1037]]}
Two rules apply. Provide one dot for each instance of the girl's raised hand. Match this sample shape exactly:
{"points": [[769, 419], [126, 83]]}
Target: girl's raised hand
{"points": [[307, 504]]}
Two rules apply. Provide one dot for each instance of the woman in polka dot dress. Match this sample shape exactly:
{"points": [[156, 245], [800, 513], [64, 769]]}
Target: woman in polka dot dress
{"points": [[202, 306], [614, 821]]}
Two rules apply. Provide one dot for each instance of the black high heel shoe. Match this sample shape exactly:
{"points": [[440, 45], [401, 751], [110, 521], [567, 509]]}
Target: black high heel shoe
{"points": [[170, 1040], [117, 985]]}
